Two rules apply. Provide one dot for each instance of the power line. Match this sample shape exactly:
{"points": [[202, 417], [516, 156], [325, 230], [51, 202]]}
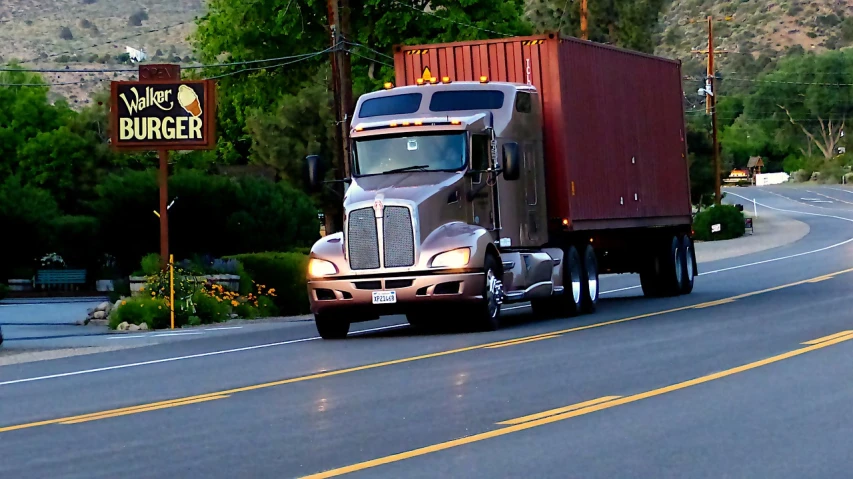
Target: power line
{"points": [[368, 58], [267, 67], [449, 20], [355, 44], [139, 34]]}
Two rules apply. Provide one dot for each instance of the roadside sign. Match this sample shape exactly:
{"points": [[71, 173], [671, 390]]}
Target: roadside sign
{"points": [[157, 115], [716, 228], [748, 225]]}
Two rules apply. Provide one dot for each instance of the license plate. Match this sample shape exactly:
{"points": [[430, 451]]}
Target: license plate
{"points": [[384, 297]]}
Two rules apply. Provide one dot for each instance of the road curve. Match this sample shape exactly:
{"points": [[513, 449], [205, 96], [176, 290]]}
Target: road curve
{"points": [[744, 377]]}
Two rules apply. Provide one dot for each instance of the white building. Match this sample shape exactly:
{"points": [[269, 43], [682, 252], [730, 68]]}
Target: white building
{"points": [[136, 55]]}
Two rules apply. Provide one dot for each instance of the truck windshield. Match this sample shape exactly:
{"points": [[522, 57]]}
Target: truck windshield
{"points": [[383, 155]]}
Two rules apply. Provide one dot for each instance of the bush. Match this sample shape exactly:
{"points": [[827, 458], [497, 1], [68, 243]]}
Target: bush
{"points": [[4, 291], [210, 310], [77, 241], [247, 311], [731, 223], [267, 307], [65, 33], [831, 175], [801, 176], [151, 264], [283, 272], [152, 311]]}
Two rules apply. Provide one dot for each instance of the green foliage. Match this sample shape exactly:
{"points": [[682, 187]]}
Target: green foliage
{"points": [[194, 321], [831, 174], [247, 311], [78, 241], [801, 176], [152, 311], [210, 310], [151, 264], [27, 215], [283, 272], [267, 307], [728, 217], [248, 31], [4, 291]]}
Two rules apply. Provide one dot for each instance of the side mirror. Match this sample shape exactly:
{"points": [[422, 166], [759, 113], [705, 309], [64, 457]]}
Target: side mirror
{"points": [[315, 172], [512, 162]]}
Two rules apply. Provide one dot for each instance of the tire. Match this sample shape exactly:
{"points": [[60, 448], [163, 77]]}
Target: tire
{"points": [[570, 303], [418, 320], [486, 315], [664, 274], [331, 327], [688, 277], [589, 281]]}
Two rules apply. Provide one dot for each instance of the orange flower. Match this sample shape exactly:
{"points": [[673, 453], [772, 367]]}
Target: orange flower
{"points": [[235, 303], [123, 303]]}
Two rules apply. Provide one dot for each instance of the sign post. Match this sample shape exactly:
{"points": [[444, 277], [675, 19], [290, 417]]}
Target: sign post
{"points": [[160, 112]]}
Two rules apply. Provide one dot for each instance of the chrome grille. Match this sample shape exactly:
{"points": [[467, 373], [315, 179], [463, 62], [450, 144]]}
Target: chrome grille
{"points": [[398, 237], [362, 240]]}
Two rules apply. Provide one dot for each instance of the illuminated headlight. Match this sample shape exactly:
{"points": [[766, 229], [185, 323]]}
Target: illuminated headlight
{"points": [[456, 258], [318, 268]]}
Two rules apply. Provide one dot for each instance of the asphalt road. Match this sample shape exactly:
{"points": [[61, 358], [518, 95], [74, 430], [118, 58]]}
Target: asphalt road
{"points": [[715, 384]]}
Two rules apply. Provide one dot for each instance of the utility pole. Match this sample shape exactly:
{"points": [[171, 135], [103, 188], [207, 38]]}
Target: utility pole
{"points": [[340, 28], [584, 20], [711, 105]]}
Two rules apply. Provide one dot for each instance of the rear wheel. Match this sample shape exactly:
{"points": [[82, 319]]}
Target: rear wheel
{"points": [[663, 276], [689, 275], [570, 302], [331, 326], [485, 315], [589, 283]]}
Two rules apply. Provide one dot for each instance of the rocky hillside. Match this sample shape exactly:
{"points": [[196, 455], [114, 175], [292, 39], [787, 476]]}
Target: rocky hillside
{"points": [[93, 33], [756, 27]]}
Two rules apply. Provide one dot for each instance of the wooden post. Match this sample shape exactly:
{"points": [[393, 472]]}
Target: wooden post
{"points": [[711, 104], [172, 290], [584, 20], [164, 208]]}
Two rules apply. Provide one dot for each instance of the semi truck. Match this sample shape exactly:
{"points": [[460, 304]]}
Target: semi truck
{"points": [[505, 171]]}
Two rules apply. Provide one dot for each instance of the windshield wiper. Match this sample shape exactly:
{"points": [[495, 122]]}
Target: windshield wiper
{"points": [[406, 168]]}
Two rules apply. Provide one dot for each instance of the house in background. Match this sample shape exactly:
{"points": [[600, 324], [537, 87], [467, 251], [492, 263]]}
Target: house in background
{"points": [[755, 165], [136, 55]]}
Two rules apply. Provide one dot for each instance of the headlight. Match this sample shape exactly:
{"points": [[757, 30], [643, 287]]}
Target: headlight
{"points": [[318, 268], [456, 258]]}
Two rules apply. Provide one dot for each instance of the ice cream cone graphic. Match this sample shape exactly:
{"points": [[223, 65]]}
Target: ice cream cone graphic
{"points": [[189, 100]]}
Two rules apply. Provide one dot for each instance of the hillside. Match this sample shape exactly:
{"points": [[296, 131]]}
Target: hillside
{"points": [[756, 27], [93, 34]]}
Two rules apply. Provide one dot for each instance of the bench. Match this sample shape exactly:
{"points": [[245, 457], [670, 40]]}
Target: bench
{"points": [[64, 278]]}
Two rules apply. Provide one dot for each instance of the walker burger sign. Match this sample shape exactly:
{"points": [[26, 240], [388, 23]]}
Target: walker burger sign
{"points": [[161, 115]]}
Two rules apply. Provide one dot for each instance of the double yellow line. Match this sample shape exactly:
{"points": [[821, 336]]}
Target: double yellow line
{"points": [[493, 345], [580, 409]]}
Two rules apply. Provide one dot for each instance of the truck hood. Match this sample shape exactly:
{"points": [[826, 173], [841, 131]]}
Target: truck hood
{"points": [[431, 193]]}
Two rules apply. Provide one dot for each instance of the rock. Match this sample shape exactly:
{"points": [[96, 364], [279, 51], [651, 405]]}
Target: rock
{"points": [[99, 315], [133, 327], [234, 315], [143, 327], [105, 306], [118, 303], [122, 326], [90, 310], [99, 322], [82, 322]]}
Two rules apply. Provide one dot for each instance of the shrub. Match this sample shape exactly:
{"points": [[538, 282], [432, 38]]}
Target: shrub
{"points": [[4, 291], [194, 321], [137, 18], [210, 309], [65, 33], [831, 175], [247, 311], [801, 176], [151, 264], [285, 274], [731, 223], [152, 311], [267, 307], [848, 177]]}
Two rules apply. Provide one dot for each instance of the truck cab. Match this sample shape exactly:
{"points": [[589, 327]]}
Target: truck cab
{"points": [[446, 194]]}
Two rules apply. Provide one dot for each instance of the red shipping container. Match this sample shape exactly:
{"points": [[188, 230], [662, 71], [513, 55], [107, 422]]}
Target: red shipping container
{"points": [[615, 152]]}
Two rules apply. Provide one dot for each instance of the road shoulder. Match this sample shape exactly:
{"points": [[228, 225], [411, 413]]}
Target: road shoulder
{"points": [[772, 230]]}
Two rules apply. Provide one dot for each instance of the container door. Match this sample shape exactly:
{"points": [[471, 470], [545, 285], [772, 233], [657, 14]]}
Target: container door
{"points": [[483, 213]]}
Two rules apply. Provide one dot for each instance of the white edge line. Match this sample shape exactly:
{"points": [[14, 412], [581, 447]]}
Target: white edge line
{"points": [[224, 329], [181, 358], [510, 308], [166, 335], [132, 336], [772, 260]]}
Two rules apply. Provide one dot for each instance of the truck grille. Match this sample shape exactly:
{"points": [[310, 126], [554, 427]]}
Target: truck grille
{"points": [[363, 241], [398, 237]]}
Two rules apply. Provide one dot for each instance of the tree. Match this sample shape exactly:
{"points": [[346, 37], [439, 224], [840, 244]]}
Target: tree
{"points": [[807, 99], [27, 214], [235, 30], [65, 33], [627, 23], [137, 18]]}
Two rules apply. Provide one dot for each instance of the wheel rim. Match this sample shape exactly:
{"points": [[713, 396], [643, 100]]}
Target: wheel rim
{"points": [[592, 280], [691, 272], [678, 267], [576, 285], [494, 293]]}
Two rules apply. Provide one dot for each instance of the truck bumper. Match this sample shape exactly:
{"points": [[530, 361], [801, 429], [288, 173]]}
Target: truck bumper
{"points": [[354, 296]]}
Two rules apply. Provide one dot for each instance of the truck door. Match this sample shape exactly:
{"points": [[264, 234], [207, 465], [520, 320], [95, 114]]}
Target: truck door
{"points": [[482, 203]]}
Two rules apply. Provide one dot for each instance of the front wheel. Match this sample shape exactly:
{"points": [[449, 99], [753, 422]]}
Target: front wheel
{"points": [[331, 327], [486, 314]]}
